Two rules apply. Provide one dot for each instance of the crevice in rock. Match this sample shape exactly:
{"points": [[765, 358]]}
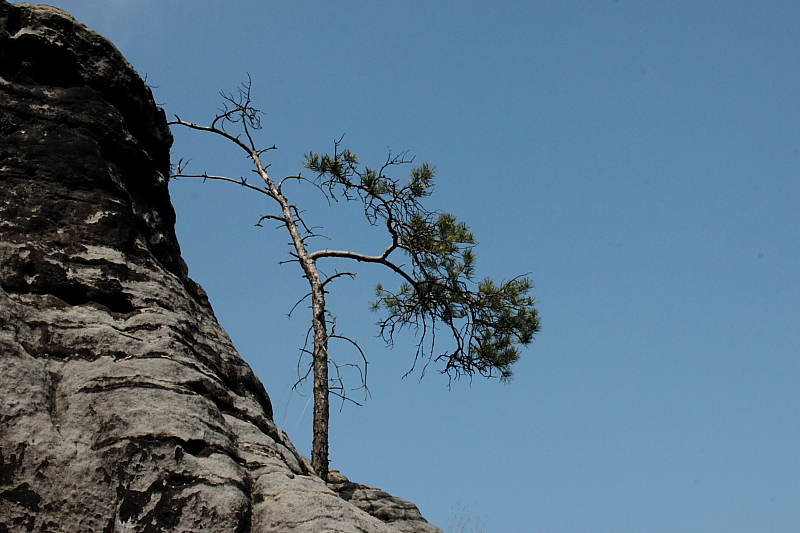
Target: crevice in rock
{"points": [[23, 496], [195, 447], [38, 276], [10, 465]]}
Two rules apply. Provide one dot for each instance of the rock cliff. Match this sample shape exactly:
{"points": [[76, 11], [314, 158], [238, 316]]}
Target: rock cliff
{"points": [[123, 404]]}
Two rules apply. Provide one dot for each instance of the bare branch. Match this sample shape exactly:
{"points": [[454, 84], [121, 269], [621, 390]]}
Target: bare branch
{"points": [[363, 357], [302, 178], [298, 302], [352, 275], [270, 217], [381, 259], [211, 129], [240, 181]]}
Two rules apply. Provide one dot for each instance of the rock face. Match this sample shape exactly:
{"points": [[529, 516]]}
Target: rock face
{"points": [[123, 404]]}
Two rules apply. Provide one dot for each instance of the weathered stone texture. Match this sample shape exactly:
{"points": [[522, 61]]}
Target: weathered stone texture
{"points": [[123, 404]]}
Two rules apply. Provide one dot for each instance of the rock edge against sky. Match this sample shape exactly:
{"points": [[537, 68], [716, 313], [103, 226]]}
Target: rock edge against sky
{"points": [[125, 407]]}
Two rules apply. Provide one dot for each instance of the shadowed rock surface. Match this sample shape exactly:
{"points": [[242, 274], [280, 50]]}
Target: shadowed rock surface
{"points": [[123, 404]]}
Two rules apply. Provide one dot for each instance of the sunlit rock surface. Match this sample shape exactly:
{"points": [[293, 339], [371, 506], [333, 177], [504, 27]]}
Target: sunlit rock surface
{"points": [[123, 404]]}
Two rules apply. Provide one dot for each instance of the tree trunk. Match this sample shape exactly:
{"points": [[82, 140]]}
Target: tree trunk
{"points": [[319, 447]]}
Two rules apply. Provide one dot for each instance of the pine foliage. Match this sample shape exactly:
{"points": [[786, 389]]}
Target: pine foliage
{"points": [[486, 320]]}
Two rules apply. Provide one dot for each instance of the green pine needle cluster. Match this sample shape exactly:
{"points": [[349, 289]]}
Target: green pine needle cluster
{"points": [[486, 321]]}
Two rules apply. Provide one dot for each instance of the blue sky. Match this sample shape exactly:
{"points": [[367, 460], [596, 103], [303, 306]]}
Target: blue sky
{"points": [[640, 159]]}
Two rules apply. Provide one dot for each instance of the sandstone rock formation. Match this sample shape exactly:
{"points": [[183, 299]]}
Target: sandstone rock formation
{"points": [[123, 404]]}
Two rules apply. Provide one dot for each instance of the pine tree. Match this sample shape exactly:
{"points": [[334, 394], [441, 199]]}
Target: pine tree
{"points": [[432, 252]]}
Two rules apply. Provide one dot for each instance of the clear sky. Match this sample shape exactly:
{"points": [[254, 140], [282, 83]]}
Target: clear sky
{"points": [[640, 159]]}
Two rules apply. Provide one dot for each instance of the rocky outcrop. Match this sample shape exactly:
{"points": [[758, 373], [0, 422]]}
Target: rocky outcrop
{"points": [[400, 513], [123, 404]]}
